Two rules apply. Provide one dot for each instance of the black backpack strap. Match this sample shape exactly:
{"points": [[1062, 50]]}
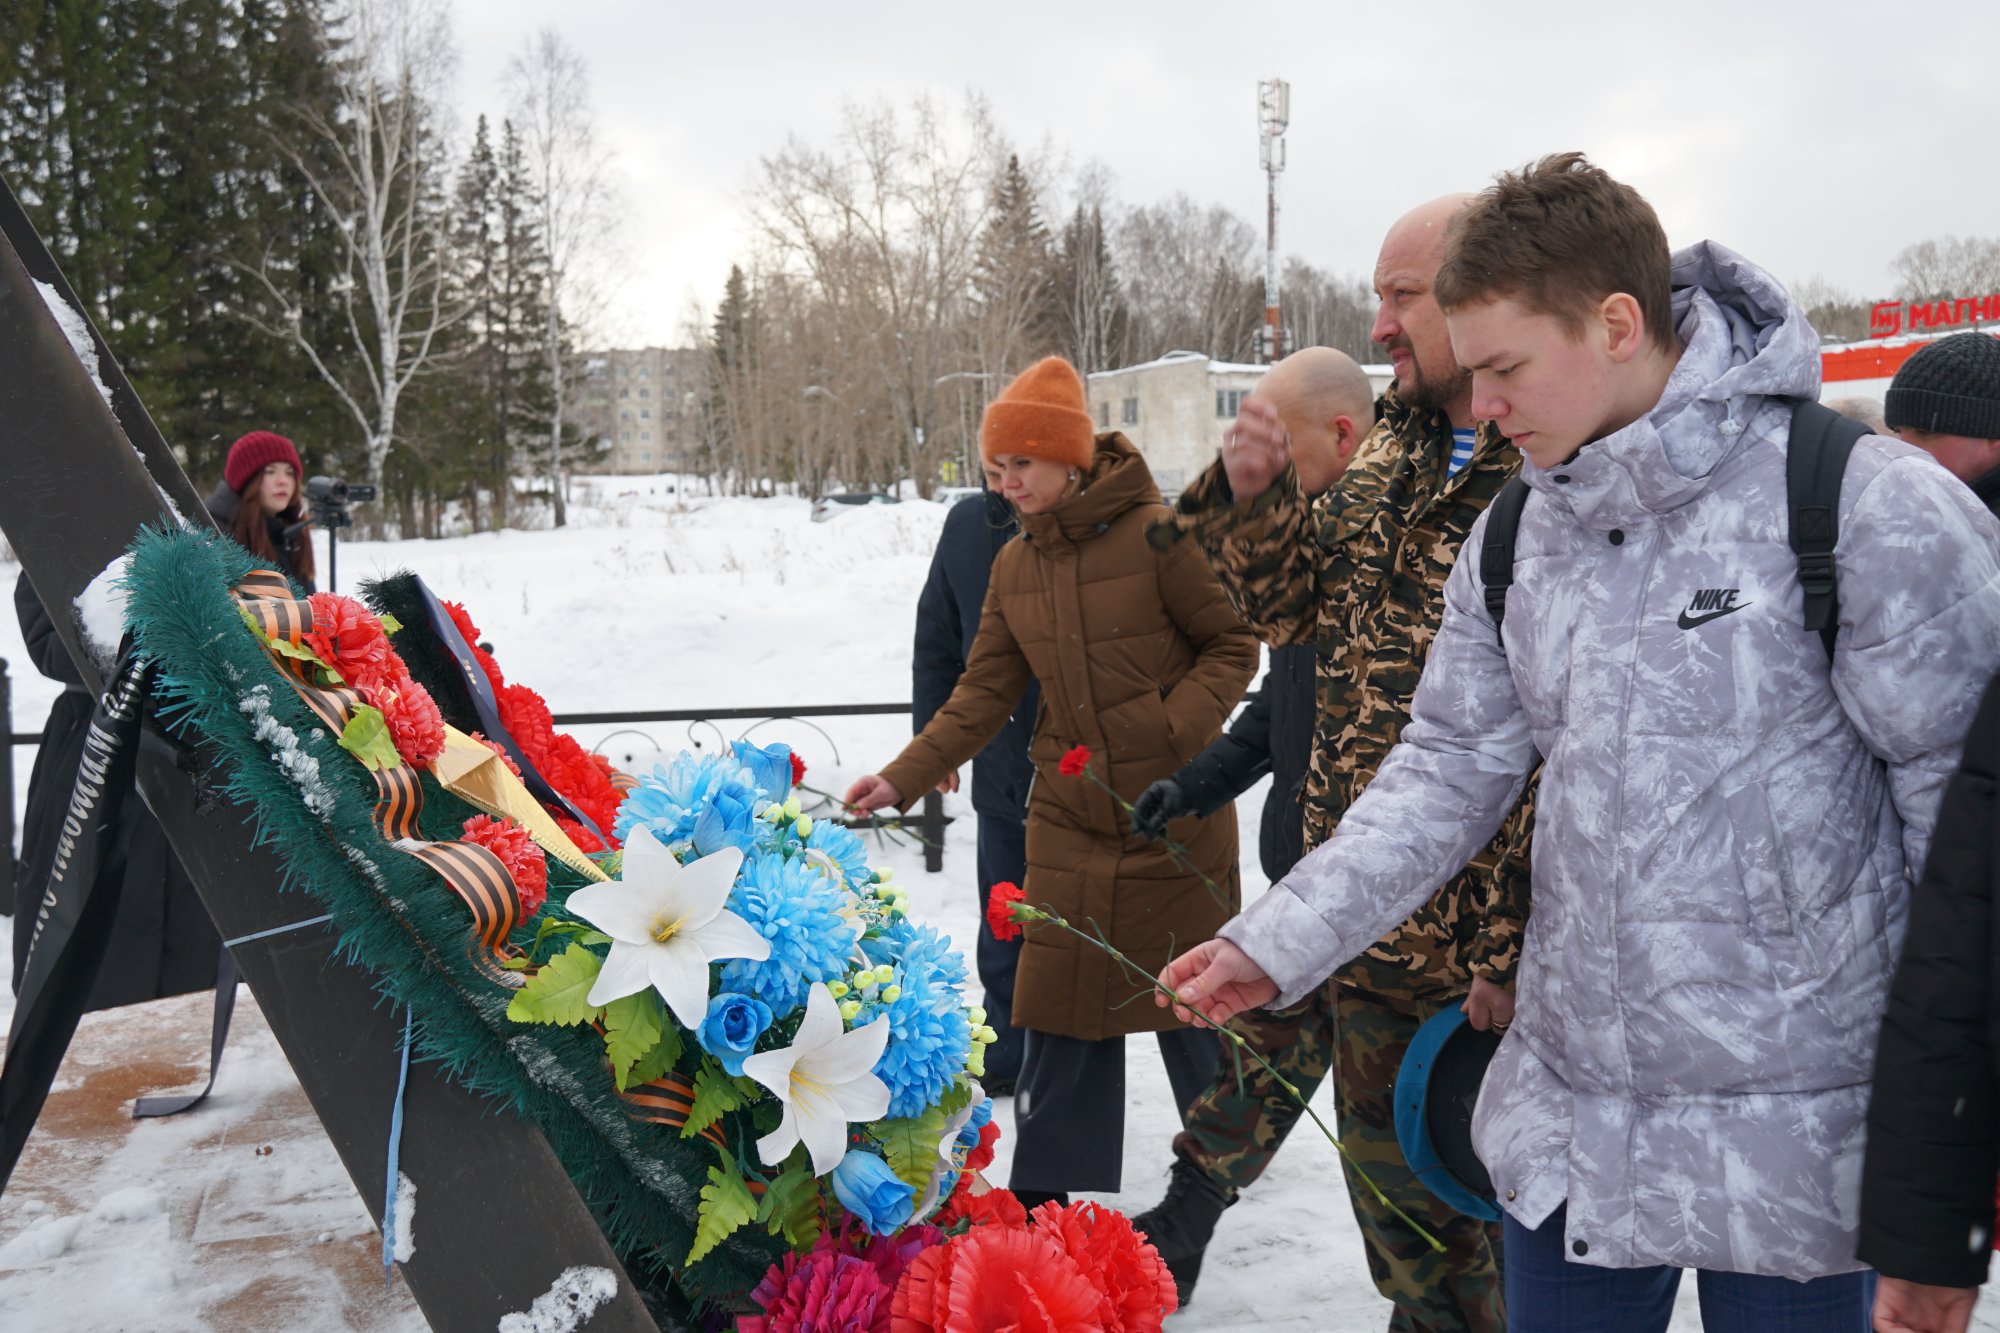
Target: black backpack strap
{"points": [[1815, 462], [1496, 555]]}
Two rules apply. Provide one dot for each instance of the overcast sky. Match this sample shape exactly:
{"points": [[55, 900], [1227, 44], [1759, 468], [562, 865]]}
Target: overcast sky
{"points": [[1816, 138]]}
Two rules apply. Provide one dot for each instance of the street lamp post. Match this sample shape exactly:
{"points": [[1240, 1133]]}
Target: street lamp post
{"points": [[1274, 114]]}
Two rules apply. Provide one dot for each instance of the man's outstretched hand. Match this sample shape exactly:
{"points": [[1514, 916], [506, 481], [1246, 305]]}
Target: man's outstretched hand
{"points": [[871, 793], [1217, 981], [1902, 1306]]}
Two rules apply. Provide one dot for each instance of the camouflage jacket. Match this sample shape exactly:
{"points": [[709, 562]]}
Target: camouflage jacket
{"points": [[1360, 573]]}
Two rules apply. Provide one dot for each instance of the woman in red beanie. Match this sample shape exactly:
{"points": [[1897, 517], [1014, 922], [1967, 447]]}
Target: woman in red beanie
{"points": [[260, 502], [1140, 660]]}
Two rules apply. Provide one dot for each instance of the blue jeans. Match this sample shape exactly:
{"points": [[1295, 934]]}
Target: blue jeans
{"points": [[1546, 1293]]}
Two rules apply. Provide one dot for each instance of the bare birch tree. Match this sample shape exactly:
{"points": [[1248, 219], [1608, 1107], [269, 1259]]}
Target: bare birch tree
{"points": [[548, 89], [382, 172]]}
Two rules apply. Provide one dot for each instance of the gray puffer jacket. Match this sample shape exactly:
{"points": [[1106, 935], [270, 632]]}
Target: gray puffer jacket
{"points": [[1727, 829]]}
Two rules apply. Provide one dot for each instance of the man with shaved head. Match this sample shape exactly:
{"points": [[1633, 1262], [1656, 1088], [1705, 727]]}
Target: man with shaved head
{"points": [[1356, 575]]}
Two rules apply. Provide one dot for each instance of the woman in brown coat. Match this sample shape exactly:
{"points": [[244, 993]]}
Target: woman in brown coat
{"points": [[1140, 659]]}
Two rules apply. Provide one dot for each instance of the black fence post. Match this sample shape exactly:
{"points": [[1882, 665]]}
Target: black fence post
{"points": [[933, 827], [6, 791]]}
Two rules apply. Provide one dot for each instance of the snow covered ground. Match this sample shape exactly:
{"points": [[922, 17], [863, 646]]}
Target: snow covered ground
{"points": [[645, 602]]}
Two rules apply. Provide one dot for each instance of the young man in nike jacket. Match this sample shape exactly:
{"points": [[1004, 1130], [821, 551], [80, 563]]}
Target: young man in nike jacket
{"points": [[1728, 822]]}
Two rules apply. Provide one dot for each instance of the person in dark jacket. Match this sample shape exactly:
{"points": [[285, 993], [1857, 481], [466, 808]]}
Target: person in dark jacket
{"points": [[1273, 734], [1946, 401], [260, 502], [947, 622], [1927, 1180]]}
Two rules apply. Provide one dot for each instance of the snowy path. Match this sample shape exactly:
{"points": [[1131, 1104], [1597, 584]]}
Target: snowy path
{"points": [[642, 604]]}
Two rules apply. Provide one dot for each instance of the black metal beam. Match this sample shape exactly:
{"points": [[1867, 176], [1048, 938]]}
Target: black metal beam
{"points": [[505, 1218]]}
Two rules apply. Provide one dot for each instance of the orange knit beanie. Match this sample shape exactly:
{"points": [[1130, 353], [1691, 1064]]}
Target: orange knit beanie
{"points": [[1042, 414]]}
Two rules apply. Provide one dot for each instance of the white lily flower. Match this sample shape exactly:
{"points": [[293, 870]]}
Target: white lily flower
{"points": [[667, 923], [825, 1080]]}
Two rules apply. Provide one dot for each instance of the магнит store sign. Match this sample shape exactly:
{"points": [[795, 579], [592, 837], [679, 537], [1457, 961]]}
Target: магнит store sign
{"points": [[1889, 318]]}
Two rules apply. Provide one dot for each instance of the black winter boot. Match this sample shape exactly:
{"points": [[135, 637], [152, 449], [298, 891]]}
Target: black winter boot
{"points": [[1182, 1223]]}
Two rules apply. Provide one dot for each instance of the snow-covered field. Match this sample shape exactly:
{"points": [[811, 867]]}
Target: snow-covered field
{"points": [[644, 602]]}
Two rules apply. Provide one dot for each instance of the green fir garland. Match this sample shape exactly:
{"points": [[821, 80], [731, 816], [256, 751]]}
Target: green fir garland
{"points": [[641, 1181]]}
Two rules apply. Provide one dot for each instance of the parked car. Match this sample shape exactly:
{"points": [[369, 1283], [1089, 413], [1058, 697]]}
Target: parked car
{"points": [[951, 495], [829, 506]]}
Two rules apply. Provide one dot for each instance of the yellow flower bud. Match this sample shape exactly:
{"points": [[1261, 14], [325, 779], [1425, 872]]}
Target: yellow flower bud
{"points": [[975, 1061], [885, 874], [975, 1015], [791, 807], [804, 825], [985, 1035], [836, 988], [773, 812], [891, 994], [849, 1009]]}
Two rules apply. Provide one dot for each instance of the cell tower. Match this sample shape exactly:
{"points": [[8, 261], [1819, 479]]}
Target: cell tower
{"points": [[1274, 113]]}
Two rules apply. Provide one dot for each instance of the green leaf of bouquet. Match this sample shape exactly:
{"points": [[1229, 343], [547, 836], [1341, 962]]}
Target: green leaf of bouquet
{"points": [[657, 1061], [366, 737], [389, 623], [726, 1204], [632, 1027], [790, 1206], [956, 1098], [715, 1095], [910, 1146], [557, 994], [297, 651]]}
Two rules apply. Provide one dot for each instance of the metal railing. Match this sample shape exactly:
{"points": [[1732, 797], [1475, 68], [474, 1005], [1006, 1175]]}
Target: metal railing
{"points": [[928, 826]]}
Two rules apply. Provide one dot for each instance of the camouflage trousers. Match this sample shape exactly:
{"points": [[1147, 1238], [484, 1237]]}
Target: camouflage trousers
{"points": [[1234, 1129]]}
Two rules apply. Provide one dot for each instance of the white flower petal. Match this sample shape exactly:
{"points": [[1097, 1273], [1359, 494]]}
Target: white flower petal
{"points": [[821, 1023], [624, 973], [703, 886], [680, 974], [730, 936], [825, 1134], [773, 1069], [646, 859], [851, 1054], [864, 1098], [622, 911], [776, 1146]]}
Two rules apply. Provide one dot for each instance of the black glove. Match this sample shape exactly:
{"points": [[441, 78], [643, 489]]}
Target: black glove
{"points": [[1158, 806]]}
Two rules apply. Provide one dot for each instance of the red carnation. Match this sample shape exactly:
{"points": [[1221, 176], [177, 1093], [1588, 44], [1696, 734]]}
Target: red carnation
{"points": [[981, 1155], [995, 1278], [415, 725], [470, 633], [798, 769], [347, 637], [1135, 1291], [996, 1207], [1000, 910], [1076, 763], [517, 851]]}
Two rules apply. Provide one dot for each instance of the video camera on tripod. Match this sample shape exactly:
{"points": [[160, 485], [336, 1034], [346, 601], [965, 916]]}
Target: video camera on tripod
{"points": [[330, 498]]}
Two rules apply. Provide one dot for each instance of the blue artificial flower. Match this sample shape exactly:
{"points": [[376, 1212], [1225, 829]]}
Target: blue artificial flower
{"points": [[770, 767], [730, 820], [927, 1050], [800, 911], [732, 1027], [670, 800], [867, 1188], [924, 957], [844, 847]]}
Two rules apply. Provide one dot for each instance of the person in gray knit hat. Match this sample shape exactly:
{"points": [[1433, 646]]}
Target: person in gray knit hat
{"points": [[1946, 401]]}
